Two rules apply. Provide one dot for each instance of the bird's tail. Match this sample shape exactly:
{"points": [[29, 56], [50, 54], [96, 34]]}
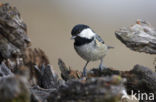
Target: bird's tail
{"points": [[110, 47]]}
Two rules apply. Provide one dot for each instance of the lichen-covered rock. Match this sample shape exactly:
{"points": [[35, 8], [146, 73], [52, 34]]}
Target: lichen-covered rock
{"points": [[139, 37]]}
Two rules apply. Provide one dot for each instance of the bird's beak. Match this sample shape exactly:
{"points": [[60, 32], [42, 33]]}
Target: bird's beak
{"points": [[73, 37]]}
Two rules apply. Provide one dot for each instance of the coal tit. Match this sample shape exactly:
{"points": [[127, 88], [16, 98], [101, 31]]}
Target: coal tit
{"points": [[88, 45]]}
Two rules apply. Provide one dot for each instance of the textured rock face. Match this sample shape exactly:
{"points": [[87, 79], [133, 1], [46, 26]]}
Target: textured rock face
{"points": [[13, 37], [27, 76], [14, 88], [140, 37], [91, 90]]}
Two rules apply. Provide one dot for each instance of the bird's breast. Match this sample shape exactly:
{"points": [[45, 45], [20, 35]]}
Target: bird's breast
{"points": [[91, 51]]}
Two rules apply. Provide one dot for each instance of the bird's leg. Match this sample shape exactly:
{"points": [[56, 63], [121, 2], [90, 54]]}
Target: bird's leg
{"points": [[85, 69], [101, 66]]}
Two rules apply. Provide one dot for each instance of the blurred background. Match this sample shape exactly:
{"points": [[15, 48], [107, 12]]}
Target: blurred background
{"points": [[50, 22]]}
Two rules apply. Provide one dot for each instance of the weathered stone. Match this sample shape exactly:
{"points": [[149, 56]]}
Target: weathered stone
{"points": [[140, 37]]}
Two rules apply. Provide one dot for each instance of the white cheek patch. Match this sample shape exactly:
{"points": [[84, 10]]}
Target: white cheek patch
{"points": [[87, 33]]}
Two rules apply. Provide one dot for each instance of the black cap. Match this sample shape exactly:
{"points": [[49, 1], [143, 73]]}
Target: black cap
{"points": [[78, 28]]}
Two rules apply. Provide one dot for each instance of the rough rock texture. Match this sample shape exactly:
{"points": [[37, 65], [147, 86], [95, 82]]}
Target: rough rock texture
{"points": [[27, 76], [140, 79], [67, 73], [140, 37], [14, 89], [13, 37], [41, 72], [41, 94], [4, 70], [91, 90]]}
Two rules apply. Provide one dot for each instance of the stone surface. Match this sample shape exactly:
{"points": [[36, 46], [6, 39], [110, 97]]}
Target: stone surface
{"points": [[13, 32], [139, 37]]}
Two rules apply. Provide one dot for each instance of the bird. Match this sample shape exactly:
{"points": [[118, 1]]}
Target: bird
{"points": [[89, 45]]}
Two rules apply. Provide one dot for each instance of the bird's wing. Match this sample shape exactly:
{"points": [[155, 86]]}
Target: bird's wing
{"points": [[99, 39]]}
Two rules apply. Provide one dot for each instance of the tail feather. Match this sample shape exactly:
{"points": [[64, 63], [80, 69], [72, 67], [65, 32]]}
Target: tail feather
{"points": [[110, 47]]}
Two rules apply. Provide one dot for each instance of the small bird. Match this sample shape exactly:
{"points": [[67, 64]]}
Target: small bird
{"points": [[89, 45]]}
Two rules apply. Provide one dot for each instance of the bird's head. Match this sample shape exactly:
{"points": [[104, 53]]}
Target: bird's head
{"points": [[82, 31]]}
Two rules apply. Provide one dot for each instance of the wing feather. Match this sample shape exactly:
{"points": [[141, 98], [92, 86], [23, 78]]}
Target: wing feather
{"points": [[99, 39]]}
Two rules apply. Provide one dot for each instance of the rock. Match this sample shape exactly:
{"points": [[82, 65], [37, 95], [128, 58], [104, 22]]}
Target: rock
{"points": [[92, 90], [141, 80], [13, 32], [47, 78], [14, 89], [40, 94], [140, 37], [27, 76], [67, 73], [4, 70]]}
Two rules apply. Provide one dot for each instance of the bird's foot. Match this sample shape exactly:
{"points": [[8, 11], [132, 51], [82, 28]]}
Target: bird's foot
{"points": [[84, 74]]}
